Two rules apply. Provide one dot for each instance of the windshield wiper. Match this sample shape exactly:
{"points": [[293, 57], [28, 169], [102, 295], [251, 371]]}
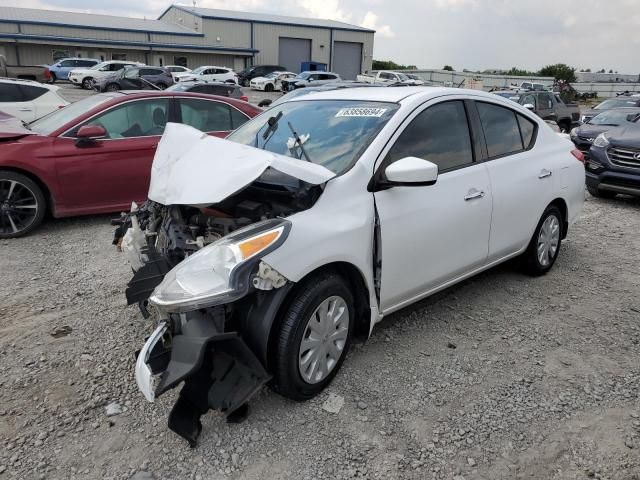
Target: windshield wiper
{"points": [[271, 129], [299, 142], [26, 125]]}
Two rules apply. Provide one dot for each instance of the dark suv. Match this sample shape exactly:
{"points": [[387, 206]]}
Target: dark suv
{"points": [[245, 76], [136, 78], [614, 162]]}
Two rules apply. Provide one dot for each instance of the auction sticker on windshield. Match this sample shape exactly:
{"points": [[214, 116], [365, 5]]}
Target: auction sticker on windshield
{"points": [[361, 112]]}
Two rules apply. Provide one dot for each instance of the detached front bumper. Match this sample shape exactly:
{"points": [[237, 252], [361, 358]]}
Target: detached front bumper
{"points": [[218, 369]]}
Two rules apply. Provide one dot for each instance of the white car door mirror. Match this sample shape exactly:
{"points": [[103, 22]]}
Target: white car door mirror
{"points": [[529, 106], [412, 171]]}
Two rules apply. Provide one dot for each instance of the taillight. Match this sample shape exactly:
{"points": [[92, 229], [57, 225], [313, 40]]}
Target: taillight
{"points": [[61, 106], [578, 154], [244, 98]]}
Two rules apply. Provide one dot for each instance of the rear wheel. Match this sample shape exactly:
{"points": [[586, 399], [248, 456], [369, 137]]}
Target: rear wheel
{"points": [[544, 246], [245, 82], [87, 83], [22, 204], [600, 193], [314, 337], [112, 87], [52, 78], [565, 127]]}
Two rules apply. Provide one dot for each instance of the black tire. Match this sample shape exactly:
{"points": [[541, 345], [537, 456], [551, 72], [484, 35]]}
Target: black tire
{"points": [[245, 82], [594, 191], [287, 379], [565, 127], [268, 88], [112, 87], [161, 86], [15, 219], [53, 78], [87, 83], [530, 258]]}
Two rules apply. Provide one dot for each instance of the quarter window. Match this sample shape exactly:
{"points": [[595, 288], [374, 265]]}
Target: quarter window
{"points": [[439, 134], [32, 92], [505, 131], [142, 118]]}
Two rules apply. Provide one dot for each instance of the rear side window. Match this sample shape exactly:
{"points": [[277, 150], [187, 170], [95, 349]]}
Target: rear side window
{"points": [[206, 115], [439, 134], [10, 92], [85, 63], [237, 118], [502, 130], [31, 92]]}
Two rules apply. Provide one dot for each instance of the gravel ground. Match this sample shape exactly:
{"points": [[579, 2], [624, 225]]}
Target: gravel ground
{"points": [[503, 376]]}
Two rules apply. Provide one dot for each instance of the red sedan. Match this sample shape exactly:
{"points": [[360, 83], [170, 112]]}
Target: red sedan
{"points": [[95, 155]]}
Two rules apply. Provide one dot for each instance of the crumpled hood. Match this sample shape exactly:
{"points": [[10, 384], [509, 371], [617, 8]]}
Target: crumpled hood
{"points": [[12, 127], [193, 168]]}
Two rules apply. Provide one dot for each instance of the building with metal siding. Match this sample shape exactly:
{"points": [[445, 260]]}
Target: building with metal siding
{"points": [[182, 35]]}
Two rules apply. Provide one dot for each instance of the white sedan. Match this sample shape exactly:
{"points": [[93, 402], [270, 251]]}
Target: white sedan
{"points": [[29, 100], [271, 82], [209, 74], [357, 203]]}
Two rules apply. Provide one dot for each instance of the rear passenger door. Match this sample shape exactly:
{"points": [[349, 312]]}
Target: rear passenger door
{"points": [[210, 116], [520, 177]]}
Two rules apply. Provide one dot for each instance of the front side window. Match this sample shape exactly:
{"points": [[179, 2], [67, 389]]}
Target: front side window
{"points": [[502, 128], [546, 100], [132, 73], [335, 132], [142, 118], [67, 63], [439, 134]]}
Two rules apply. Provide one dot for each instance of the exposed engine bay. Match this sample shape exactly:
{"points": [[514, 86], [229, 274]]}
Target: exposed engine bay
{"points": [[157, 237]]}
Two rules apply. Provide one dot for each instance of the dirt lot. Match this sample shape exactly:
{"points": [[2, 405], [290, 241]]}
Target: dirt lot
{"points": [[503, 376]]}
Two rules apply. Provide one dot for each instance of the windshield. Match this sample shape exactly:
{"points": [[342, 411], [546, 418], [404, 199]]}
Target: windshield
{"points": [[56, 119], [181, 87], [198, 70], [616, 103], [333, 132], [272, 75], [99, 66], [402, 77], [614, 117], [303, 75]]}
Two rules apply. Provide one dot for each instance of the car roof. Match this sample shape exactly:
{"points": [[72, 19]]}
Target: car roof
{"points": [[390, 94], [24, 81]]}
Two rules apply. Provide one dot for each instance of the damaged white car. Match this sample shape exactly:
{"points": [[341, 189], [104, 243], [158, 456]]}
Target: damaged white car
{"points": [[266, 253]]}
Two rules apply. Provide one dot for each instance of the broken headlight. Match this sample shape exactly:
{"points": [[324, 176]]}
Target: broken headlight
{"points": [[219, 273]]}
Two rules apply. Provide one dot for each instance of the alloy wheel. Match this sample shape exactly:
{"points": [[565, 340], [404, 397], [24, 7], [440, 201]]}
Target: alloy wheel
{"points": [[18, 207], [324, 339], [548, 240]]}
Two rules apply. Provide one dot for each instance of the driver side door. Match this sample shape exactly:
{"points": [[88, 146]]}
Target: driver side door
{"points": [[108, 174], [433, 235]]}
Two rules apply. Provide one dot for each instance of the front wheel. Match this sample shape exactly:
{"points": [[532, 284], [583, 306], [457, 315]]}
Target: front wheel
{"points": [[53, 78], [112, 87], [268, 87], [544, 246], [87, 83], [314, 337], [22, 204], [161, 86]]}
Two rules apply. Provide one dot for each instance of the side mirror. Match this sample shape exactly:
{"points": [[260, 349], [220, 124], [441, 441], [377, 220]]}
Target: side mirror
{"points": [[88, 134], [412, 171], [529, 106], [265, 103]]}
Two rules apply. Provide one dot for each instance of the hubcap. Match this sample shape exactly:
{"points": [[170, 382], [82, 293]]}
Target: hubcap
{"points": [[548, 240], [18, 206], [324, 339]]}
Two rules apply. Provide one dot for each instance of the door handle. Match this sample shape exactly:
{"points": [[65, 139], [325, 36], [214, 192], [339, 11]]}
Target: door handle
{"points": [[473, 194], [544, 173], [24, 110]]}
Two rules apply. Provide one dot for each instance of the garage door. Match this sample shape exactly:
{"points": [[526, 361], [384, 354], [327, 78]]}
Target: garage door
{"points": [[294, 51], [347, 59]]}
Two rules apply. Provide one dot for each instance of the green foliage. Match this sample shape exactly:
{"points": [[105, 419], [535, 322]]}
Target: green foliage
{"points": [[448, 68], [559, 71], [390, 65], [516, 72]]}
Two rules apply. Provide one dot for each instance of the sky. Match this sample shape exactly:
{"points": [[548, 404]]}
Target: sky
{"points": [[472, 34]]}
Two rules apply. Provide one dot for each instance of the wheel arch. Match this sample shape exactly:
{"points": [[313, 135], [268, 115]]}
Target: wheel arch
{"points": [[562, 206], [358, 286], [50, 206]]}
